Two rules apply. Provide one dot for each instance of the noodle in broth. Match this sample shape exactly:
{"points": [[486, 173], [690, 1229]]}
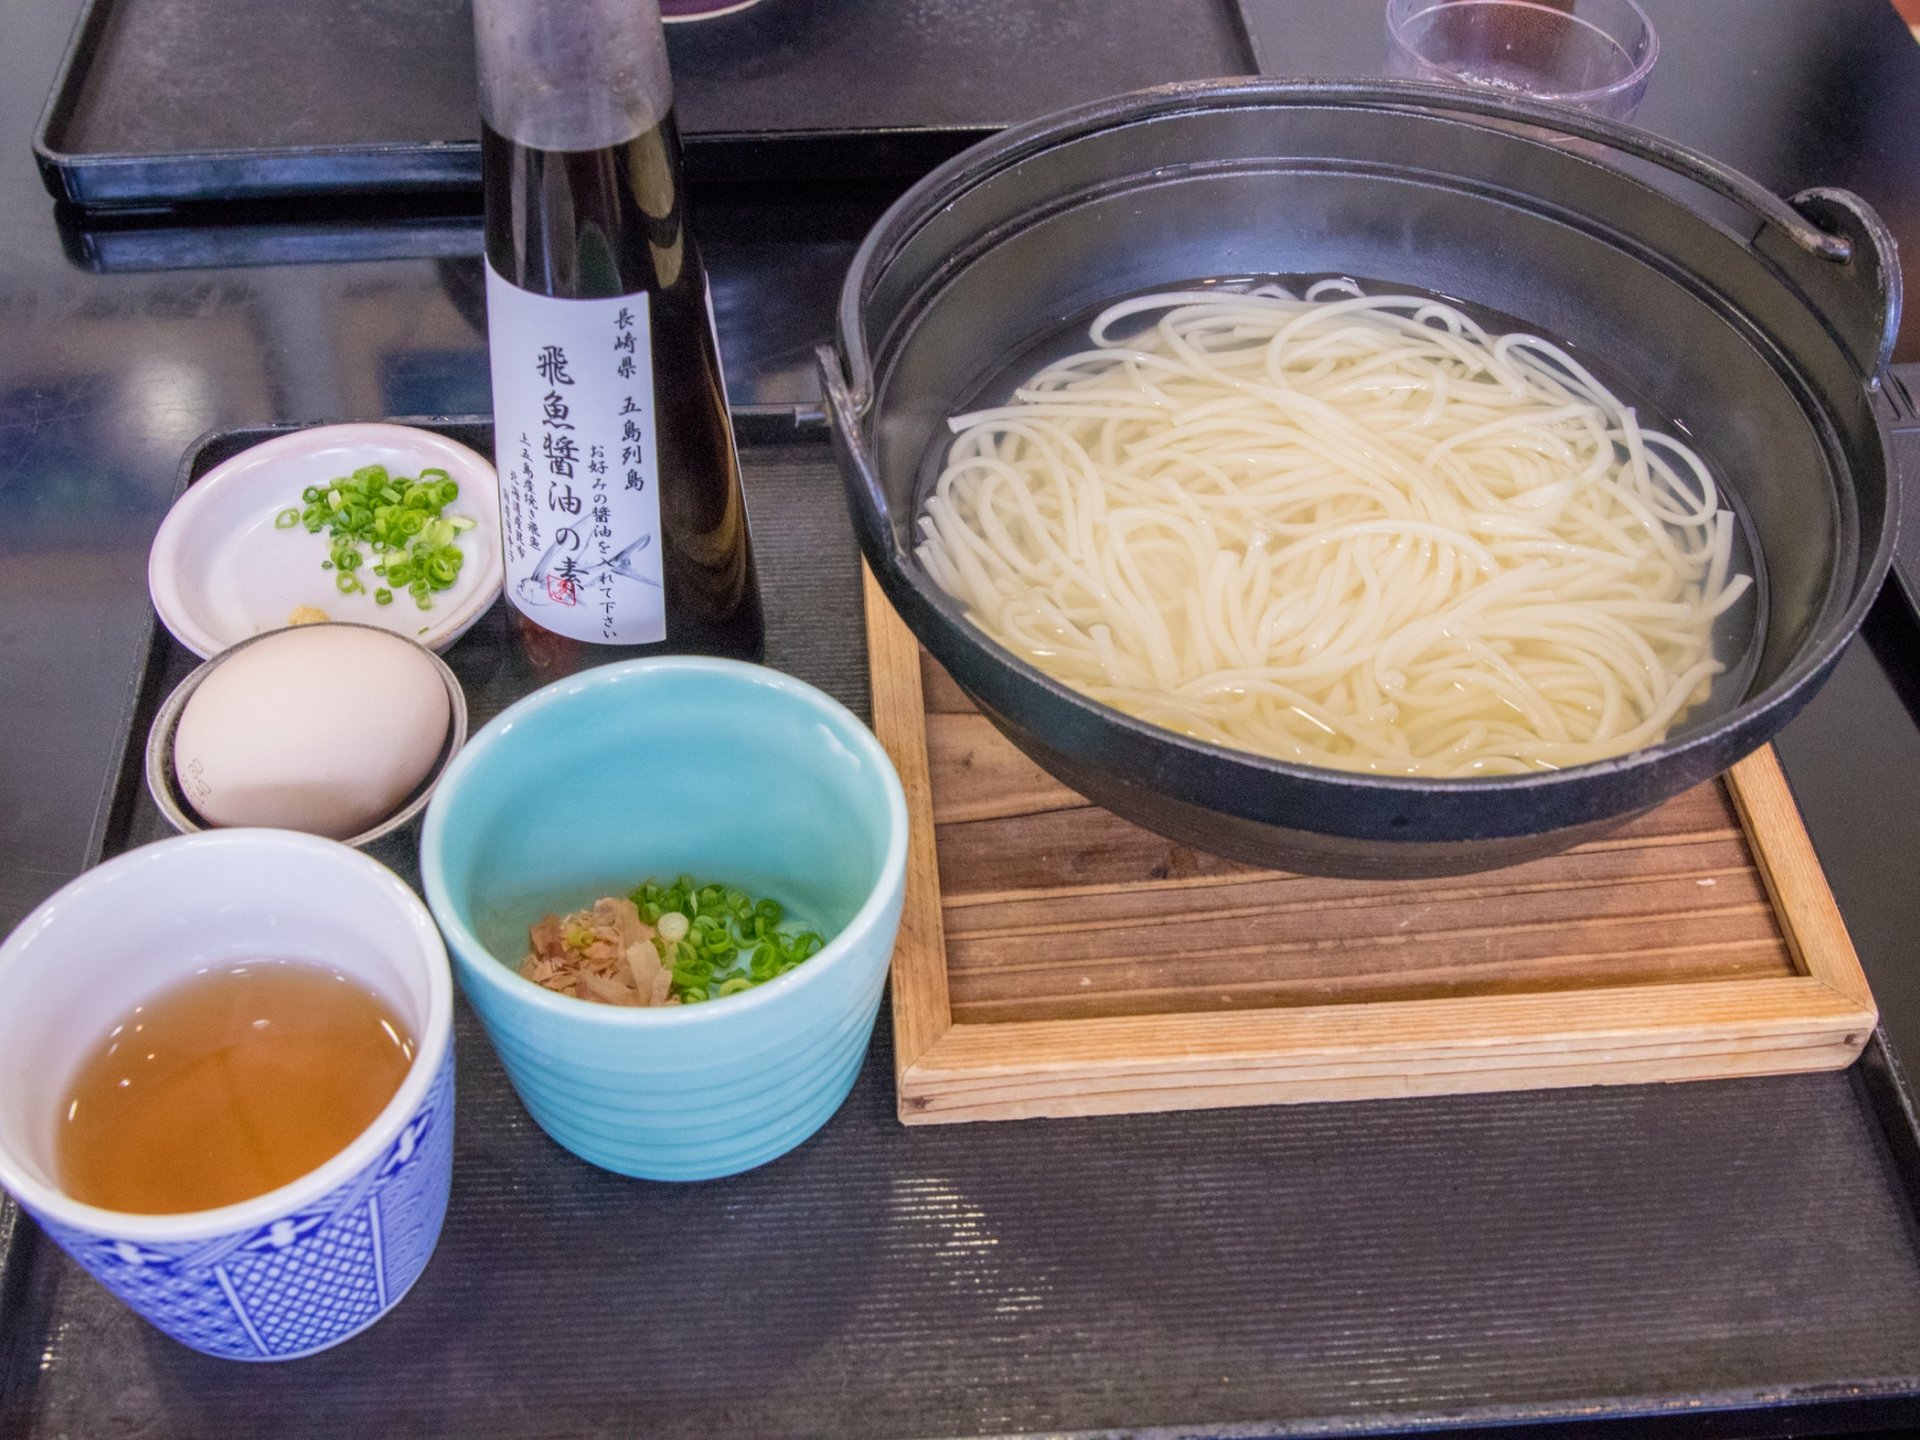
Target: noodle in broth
{"points": [[1343, 530]]}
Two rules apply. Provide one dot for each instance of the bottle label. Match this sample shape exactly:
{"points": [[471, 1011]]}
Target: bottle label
{"points": [[573, 418]]}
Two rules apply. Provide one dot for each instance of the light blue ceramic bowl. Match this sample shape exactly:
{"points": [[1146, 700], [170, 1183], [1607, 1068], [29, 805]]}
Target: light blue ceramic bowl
{"points": [[651, 769]]}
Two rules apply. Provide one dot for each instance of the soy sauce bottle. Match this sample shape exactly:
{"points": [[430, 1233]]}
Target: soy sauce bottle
{"points": [[624, 521]]}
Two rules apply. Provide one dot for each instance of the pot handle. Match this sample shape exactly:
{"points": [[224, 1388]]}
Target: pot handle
{"points": [[1866, 311], [844, 411], [1856, 285]]}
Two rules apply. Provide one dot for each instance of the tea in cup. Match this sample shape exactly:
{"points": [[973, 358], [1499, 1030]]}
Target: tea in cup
{"points": [[226, 1086]]}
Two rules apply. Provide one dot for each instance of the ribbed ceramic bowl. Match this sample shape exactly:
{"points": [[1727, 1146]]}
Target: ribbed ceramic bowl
{"points": [[654, 768]]}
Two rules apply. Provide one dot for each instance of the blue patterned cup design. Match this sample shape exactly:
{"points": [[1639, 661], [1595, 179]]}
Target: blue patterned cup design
{"points": [[300, 1268], [656, 767]]}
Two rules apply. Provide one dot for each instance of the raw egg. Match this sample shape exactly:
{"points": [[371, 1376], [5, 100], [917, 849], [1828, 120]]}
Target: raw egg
{"points": [[324, 728]]}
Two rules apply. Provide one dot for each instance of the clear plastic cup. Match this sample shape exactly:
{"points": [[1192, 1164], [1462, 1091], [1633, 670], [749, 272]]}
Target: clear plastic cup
{"points": [[1593, 54]]}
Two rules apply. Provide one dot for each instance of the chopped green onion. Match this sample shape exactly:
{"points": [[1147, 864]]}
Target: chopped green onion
{"points": [[395, 518], [717, 940]]}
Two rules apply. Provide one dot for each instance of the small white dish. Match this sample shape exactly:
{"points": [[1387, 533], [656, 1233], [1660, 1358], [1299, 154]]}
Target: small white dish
{"points": [[220, 572]]}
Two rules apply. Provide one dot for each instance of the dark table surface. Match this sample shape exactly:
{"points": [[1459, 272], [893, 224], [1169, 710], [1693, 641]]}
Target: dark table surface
{"points": [[1008, 1290]]}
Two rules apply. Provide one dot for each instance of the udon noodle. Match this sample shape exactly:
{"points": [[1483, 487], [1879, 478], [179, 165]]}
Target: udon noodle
{"points": [[1343, 530]]}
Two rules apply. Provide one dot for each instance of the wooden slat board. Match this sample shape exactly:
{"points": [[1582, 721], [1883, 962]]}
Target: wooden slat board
{"points": [[1057, 960]]}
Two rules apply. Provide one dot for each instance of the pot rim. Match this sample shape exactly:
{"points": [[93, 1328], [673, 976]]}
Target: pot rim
{"points": [[979, 162]]}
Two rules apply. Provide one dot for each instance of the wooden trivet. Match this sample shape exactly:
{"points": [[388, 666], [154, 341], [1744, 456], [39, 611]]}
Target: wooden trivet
{"points": [[1057, 960]]}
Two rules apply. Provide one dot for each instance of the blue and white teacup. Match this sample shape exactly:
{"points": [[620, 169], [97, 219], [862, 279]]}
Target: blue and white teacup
{"points": [[309, 1264]]}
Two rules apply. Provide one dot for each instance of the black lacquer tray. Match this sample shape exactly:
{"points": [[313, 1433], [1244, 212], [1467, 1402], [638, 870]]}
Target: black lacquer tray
{"points": [[1633, 1258], [161, 102]]}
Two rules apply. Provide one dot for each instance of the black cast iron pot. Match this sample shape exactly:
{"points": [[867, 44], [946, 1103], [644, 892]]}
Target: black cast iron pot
{"points": [[1760, 325]]}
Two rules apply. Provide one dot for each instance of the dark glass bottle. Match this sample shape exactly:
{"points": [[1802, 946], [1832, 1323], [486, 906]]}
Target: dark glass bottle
{"points": [[626, 527]]}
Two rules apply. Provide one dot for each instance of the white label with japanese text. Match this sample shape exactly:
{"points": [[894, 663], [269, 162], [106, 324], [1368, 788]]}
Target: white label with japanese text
{"points": [[574, 440]]}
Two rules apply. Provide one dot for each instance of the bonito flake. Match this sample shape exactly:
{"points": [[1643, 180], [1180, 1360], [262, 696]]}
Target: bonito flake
{"points": [[605, 953]]}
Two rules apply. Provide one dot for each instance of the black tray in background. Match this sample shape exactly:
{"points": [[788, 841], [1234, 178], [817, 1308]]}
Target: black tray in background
{"points": [[1900, 403], [176, 101], [1646, 1257]]}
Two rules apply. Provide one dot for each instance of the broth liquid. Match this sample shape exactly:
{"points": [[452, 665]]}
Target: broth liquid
{"points": [[227, 1086]]}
